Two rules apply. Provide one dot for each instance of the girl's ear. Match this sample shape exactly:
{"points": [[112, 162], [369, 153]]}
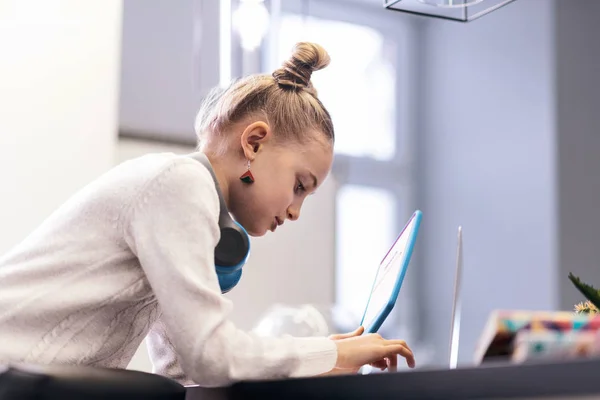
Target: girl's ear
{"points": [[254, 137]]}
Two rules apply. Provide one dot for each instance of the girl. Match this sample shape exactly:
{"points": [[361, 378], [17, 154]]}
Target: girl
{"points": [[132, 254]]}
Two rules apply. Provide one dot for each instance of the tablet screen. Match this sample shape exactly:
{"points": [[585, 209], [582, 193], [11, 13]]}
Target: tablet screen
{"points": [[391, 270]]}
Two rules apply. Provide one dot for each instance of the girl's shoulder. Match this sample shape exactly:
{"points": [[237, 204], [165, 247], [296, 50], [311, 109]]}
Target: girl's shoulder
{"points": [[155, 174], [142, 171]]}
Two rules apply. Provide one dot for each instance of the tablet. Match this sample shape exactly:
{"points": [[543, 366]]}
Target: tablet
{"points": [[390, 276]]}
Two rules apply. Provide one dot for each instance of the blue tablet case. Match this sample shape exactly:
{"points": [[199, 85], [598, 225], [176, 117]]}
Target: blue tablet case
{"points": [[412, 232]]}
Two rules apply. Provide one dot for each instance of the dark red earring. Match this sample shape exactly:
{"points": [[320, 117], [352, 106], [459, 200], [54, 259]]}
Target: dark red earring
{"points": [[247, 177]]}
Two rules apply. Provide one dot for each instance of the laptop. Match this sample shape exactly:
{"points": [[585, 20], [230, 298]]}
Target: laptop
{"points": [[390, 276], [456, 305]]}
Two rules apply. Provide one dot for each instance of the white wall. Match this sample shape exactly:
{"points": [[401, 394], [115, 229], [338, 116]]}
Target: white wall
{"points": [[170, 60], [578, 128], [510, 149], [488, 163], [58, 104], [293, 267]]}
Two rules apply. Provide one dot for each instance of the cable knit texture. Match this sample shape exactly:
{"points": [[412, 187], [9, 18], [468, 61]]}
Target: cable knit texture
{"points": [[128, 257]]}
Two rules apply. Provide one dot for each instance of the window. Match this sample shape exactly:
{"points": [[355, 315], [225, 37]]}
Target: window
{"points": [[365, 222], [367, 92], [363, 65]]}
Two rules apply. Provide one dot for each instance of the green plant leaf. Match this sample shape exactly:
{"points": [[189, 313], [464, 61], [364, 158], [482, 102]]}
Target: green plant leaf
{"points": [[590, 292]]}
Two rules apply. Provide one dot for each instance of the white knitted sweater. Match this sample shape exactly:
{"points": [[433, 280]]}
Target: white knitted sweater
{"points": [[131, 256]]}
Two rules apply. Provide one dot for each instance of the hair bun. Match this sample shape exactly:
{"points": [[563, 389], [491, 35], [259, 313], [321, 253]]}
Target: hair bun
{"points": [[295, 73]]}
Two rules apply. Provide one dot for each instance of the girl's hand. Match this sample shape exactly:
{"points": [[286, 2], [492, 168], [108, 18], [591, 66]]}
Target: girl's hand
{"points": [[355, 350]]}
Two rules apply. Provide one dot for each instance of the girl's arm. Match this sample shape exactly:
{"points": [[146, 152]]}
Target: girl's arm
{"points": [[163, 356], [172, 228]]}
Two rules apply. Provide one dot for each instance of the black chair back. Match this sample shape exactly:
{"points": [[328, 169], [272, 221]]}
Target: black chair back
{"points": [[31, 382]]}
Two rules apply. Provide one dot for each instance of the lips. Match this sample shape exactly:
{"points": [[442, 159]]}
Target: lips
{"points": [[276, 222]]}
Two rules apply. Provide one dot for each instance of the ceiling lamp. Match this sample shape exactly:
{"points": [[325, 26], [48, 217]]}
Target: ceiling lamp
{"points": [[455, 10], [251, 20]]}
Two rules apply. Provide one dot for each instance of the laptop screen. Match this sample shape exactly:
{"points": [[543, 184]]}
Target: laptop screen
{"points": [[389, 275]]}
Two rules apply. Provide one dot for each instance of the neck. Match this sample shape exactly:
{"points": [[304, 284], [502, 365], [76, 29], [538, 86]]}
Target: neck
{"points": [[222, 177]]}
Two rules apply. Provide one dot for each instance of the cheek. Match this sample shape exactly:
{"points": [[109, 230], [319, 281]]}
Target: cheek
{"points": [[277, 189], [273, 198], [261, 203]]}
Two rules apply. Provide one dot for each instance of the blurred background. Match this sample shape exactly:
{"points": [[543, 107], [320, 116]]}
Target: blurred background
{"points": [[492, 125]]}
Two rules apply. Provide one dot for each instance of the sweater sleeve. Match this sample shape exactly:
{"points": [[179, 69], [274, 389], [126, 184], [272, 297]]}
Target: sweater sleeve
{"points": [[172, 228], [163, 356]]}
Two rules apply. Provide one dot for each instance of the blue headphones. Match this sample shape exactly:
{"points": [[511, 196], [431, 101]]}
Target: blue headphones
{"points": [[233, 248]]}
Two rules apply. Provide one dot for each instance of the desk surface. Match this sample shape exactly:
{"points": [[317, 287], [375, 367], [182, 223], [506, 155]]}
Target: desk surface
{"points": [[569, 380]]}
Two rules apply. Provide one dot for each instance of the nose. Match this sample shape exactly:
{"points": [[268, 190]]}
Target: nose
{"points": [[293, 213]]}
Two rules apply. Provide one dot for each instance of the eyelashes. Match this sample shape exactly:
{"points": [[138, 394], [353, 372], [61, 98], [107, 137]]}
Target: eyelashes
{"points": [[299, 188]]}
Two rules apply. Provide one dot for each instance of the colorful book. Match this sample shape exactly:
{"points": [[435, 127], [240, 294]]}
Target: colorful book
{"points": [[554, 345], [497, 341]]}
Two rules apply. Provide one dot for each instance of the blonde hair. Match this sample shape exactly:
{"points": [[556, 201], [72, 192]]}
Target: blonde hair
{"points": [[286, 99]]}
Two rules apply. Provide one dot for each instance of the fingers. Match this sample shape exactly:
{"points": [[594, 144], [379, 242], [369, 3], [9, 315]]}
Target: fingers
{"points": [[357, 332], [393, 364], [405, 351], [389, 363], [388, 342], [397, 342], [355, 351], [391, 349], [397, 349], [381, 364]]}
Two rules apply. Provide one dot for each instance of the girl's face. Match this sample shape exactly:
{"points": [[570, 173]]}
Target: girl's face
{"points": [[284, 176]]}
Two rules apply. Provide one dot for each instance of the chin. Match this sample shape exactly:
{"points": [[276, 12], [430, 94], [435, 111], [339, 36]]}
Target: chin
{"points": [[252, 229], [254, 233]]}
